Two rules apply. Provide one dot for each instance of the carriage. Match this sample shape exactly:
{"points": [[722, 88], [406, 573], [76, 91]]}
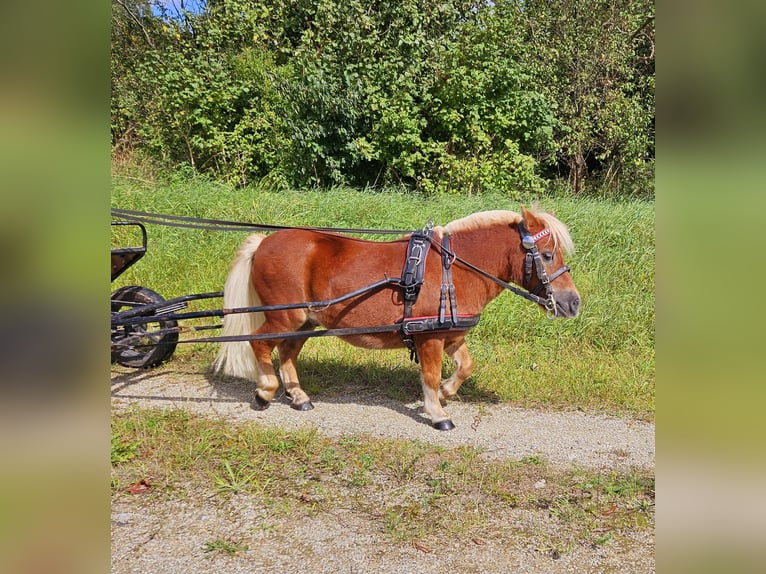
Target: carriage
{"points": [[422, 291], [153, 339]]}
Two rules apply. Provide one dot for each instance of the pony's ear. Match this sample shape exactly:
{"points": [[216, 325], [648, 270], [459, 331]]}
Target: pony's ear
{"points": [[526, 216]]}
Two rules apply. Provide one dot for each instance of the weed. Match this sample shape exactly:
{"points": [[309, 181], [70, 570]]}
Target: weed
{"points": [[265, 528], [569, 511], [436, 491], [277, 442], [367, 460], [349, 442], [365, 466], [404, 522], [330, 460], [233, 480], [602, 540], [644, 504], [413, 488], [222, 546], [402, 467], [532, 459], [123, 451], [614, 484]]}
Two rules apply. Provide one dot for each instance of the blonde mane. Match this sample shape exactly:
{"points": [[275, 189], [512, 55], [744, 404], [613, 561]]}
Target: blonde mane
{"points": [[559, 232], [483, 219]]}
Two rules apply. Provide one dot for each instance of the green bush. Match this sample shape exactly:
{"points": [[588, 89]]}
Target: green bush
{"points": [[436, 96]]}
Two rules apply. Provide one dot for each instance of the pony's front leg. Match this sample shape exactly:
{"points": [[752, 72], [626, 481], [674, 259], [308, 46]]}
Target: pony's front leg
{"points": [[288, 355], [430, 355], [267, 382], [458, 352]]}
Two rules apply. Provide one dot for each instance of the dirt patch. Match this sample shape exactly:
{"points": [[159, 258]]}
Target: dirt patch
{"points": [[199, 532]]}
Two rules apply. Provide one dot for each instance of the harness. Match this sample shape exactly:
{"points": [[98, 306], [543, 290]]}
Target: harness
{"points": [[532, 256], [529, 242], [413, 275]]}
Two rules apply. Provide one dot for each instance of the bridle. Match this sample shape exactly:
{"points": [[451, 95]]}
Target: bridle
{"points": [[532, 255], [531, 258]]}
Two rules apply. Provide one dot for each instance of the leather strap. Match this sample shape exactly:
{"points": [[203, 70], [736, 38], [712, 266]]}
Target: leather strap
{"points": [[412, 280], [431, 324], [413, 275]]}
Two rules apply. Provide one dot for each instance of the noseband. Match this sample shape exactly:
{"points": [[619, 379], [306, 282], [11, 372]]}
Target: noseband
{"points": [[529, 243]]}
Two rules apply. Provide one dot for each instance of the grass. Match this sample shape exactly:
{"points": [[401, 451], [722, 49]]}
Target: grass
{"points": [[235, 480], [223, 546], [603, 361], [410, 491]]}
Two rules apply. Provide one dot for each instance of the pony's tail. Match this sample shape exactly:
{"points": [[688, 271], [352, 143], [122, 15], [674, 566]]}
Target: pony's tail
{"points": [[236, 358]]}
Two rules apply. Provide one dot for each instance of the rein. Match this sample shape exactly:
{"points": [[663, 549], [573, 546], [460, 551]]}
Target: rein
{"points": [[410, 282], [528, 241], [223, 225]]}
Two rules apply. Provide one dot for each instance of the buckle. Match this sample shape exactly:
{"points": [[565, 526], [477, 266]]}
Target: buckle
{"points": [[527, 242]]}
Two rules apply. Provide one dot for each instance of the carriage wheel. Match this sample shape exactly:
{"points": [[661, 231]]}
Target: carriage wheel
{"points": [[149, 350]]}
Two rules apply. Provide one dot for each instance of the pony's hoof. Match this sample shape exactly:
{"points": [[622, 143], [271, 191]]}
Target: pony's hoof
{"points": [[307, 406], [444, 425], [260, 404]]}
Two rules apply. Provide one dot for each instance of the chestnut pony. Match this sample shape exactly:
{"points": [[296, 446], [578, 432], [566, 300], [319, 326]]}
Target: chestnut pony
{"points": [[299, 265]]}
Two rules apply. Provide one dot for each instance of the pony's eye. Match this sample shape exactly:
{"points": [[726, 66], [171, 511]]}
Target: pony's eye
{"points": [[548, 256]]}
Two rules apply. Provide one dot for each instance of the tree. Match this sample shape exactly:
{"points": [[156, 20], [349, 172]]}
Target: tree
{"points": [[435, 95], [595, 60], [134, 30]]}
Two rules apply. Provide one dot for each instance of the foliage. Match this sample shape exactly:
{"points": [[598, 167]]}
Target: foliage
{"points": [[435, 95], [595, 59]]}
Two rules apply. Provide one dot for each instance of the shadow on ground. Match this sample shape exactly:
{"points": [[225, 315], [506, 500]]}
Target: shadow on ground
{"points": [[326, 381]]}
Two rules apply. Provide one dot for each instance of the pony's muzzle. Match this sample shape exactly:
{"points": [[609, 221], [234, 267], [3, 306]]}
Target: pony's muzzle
{"points": [[568, 303]]}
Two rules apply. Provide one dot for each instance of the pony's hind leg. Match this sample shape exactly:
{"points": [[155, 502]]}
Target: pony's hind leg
{"points": [[288, 355], [266, 382], [458, 351]]}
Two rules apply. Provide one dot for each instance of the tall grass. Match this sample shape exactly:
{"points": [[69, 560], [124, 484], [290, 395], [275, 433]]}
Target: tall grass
{"points": [[602, 361]]}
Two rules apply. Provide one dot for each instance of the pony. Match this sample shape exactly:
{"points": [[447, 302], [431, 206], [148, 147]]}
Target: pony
{"points": [[488, 251]]}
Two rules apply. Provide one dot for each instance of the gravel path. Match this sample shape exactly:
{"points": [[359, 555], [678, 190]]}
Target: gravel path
{"points": [[168, 537], [500, 431]]}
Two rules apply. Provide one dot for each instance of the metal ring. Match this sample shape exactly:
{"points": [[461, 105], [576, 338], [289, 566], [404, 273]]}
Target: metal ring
{"points": [[550, 307], [550, 314]]}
